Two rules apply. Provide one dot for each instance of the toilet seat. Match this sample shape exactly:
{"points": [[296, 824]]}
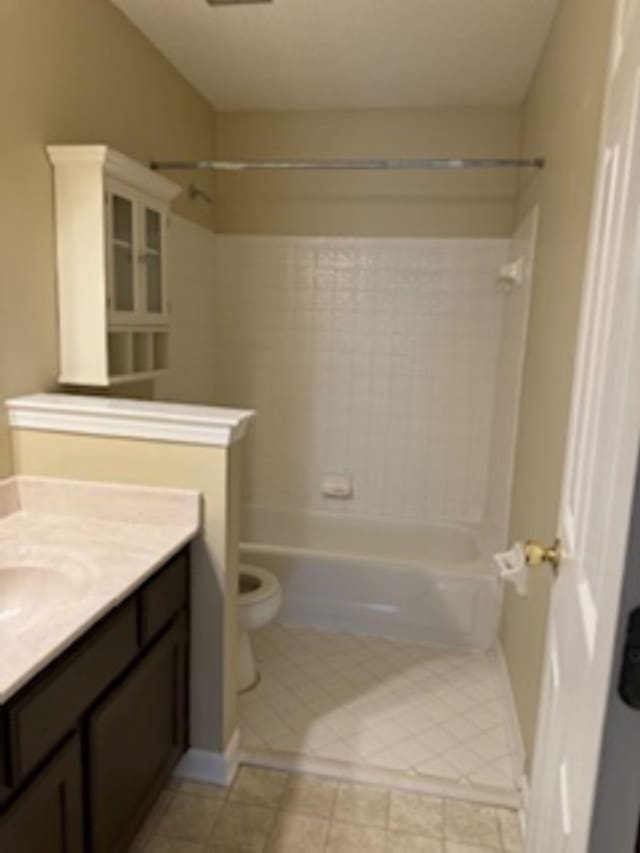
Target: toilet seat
{"points": [[269, 585], [258, 606]]}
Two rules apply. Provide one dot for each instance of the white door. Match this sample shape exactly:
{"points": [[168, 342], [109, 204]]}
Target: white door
{"points": [[599, 475]]}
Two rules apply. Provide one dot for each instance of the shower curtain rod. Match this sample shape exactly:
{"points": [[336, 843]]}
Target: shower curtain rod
{"points": [[435, 163]]}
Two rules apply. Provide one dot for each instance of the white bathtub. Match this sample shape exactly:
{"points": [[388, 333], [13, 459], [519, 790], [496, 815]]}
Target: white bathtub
{"points": [[434, 584]]}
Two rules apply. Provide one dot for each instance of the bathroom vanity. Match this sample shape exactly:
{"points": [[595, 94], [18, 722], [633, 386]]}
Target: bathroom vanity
{"points": [[88, 738]]}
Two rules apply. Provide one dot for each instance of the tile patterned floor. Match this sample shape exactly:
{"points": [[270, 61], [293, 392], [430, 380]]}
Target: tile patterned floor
{"points": [[271, 811], [380, 704]]}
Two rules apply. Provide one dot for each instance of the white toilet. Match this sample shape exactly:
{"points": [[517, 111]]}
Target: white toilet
{"points": [[259, 599]]}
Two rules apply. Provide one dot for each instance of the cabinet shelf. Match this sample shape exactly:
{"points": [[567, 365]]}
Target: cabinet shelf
{"points": [[111, 221], [136, 377], [135, 354]]}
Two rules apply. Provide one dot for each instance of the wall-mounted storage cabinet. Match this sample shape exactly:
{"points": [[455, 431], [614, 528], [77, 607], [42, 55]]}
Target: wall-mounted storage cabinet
{"points": [[112, 216]]}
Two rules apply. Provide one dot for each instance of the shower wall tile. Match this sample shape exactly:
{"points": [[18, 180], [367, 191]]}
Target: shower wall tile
{"points": [[373, 356]]}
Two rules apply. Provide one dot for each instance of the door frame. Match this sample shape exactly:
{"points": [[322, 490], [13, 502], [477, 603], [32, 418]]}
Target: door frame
{"points": [[616, 810], [572, 758]]}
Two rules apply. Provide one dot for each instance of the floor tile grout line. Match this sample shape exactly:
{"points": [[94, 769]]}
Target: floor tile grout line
{"points": [[417, 776], [278, 809], [460, 662]]}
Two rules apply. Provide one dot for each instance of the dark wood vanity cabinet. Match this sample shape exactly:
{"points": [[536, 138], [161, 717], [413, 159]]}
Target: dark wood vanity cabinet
{"points": [[48, 816], [134, 737], [88, 744]]}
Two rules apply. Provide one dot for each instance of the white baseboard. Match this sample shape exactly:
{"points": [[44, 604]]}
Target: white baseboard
{"points": [[513, 723], [397, 779], [515, 735], [523, 811], [205, 765]]}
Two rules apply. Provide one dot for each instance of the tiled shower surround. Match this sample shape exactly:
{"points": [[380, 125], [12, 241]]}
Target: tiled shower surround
{"points": [[375, 357], [397, 362]]}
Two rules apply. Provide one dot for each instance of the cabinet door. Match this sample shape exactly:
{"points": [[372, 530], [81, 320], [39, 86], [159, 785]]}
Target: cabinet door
{"points": [[135, 737], [153, 281], [48, 815], [122, 256]]}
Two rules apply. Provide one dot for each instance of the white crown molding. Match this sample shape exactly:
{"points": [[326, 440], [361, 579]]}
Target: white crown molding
{"points": [[115, 165], [141, 419]]}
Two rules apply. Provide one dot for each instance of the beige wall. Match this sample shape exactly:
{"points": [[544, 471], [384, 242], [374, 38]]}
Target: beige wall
{"points": [[77, 71], [194, 354], [368, 204], [562, 116], [214, 471], [72, 71]]}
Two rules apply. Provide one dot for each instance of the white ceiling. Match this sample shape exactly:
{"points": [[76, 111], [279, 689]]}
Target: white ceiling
{"points": [[325, 54]]}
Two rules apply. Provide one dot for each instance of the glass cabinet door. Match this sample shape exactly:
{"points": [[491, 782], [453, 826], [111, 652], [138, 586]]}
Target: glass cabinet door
{"points": [[153, 279], [122, 249]]}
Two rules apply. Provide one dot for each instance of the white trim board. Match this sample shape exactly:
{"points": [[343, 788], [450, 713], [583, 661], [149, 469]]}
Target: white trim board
{"points": [[345, 770], [141, 419], [204, 765], [518, 751]]}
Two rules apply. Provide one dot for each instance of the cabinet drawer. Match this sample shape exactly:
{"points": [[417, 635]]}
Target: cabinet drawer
{"points": [[50, 708], [48, 814], [163, 596]]}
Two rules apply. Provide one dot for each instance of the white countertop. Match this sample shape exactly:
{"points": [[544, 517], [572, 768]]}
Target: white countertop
{"points": [[69, 553]]}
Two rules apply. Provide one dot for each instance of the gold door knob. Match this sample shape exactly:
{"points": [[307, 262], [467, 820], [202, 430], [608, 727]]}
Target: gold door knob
{"points": [[536, 554]]}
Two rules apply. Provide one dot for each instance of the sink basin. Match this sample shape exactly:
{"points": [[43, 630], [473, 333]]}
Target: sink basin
{"points": [[26, 591]]}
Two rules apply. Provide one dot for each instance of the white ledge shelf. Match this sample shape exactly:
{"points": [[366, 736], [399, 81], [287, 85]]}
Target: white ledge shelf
{"points": [[141, 419]]}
